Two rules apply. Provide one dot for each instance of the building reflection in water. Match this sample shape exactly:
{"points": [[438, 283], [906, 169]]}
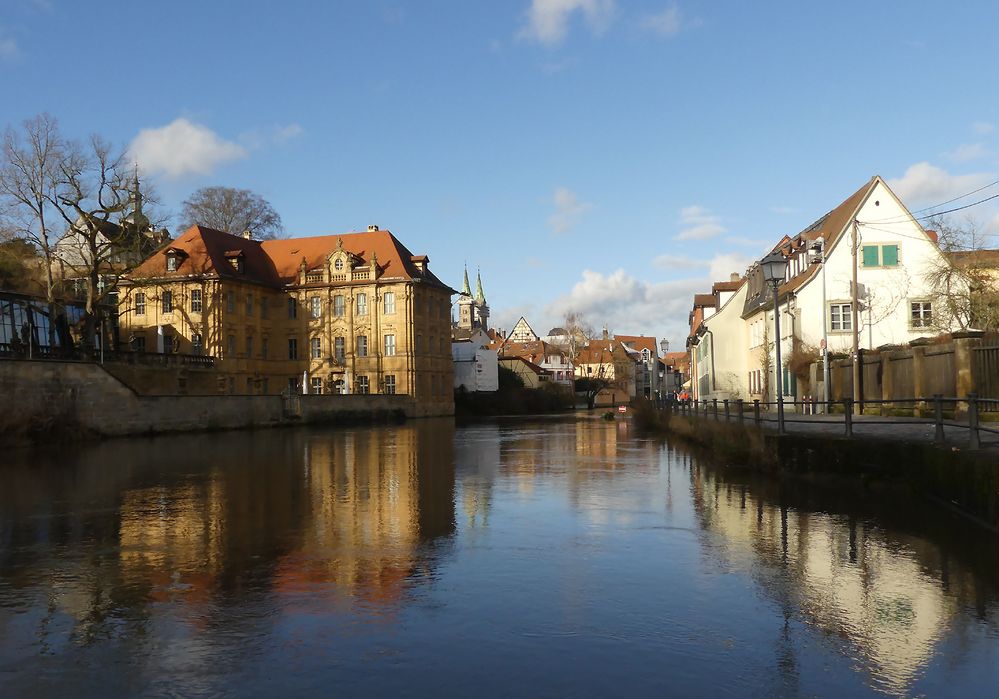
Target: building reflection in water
{"points": [[891, 598], [96, 548]]}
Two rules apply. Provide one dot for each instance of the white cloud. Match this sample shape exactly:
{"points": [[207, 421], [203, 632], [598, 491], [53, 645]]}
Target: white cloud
{"points": [[8, 48], [924, 183], [182, 148], [966, 152], [283, 134], [548, 20], [699, 224], [568, 211], [666, 24], [650, 308], [982, 127]]}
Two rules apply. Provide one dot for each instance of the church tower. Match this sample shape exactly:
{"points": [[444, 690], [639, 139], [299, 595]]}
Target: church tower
{"points": [[473, 312]]}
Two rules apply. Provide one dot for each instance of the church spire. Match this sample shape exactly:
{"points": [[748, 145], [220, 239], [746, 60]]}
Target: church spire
{"points": [[480, 296], [466, 289]]}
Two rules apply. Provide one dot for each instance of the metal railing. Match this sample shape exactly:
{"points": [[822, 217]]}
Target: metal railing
{"points": [[971, 406], [77, 354]]}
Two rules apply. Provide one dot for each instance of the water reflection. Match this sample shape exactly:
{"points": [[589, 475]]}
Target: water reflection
{"points": [[891, 595], [554, 557]]}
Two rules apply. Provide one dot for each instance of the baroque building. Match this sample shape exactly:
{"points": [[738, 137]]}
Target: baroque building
{"points": [[356, 313]]}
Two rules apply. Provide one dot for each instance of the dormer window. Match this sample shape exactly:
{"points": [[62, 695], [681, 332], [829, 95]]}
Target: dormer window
{"points": [[235, 259], [338, 264], [174, 257]]}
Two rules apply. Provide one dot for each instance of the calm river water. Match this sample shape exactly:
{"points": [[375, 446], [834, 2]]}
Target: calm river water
{"points": [[516, 559]]}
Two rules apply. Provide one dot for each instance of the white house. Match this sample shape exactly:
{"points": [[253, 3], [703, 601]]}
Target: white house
{"points": [[894, 257], [475, 366]]}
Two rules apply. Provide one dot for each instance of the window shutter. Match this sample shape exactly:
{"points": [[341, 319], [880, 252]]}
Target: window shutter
{"points": [[889, 255], [870, 256]]}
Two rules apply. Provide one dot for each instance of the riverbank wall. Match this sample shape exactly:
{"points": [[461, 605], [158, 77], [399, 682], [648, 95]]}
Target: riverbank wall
{"points": [[49, 400], [965, 480]]}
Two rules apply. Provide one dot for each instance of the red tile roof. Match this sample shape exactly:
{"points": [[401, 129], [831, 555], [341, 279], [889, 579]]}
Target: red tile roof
{"points": [[278, 262], [639, 342]]}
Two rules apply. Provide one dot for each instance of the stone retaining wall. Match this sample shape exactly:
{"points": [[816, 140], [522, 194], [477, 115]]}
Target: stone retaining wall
{"points": [[58, 400]]}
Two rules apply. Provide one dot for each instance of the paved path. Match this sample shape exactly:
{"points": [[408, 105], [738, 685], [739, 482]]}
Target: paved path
{"points": [[906, 429]]}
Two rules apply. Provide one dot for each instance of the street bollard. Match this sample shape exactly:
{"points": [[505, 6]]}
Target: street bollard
{"points": [[714, 406], [938, 418], [848, 415], [756, 411], [740, 406], [726, 409], [973, 438]]}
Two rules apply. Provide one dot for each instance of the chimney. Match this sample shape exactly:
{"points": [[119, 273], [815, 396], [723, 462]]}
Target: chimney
{"points": [[248, 235], [735, 277], [605, 332], [372, 228]]}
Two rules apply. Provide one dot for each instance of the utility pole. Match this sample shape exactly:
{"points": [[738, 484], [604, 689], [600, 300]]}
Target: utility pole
{"points": [[855, 315]]}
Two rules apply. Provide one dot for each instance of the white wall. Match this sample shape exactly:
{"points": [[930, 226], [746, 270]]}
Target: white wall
{"points": [[891, 289], [475, 368], [730, 334]]}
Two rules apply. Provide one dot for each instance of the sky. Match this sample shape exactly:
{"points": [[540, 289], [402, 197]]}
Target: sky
{"points": [[608, 157]]}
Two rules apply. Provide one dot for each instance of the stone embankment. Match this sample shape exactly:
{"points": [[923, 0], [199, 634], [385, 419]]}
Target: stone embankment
{"points": [[876, 459], [46, 400]]}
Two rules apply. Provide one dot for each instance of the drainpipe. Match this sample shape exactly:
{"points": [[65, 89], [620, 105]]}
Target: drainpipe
{"points": [[714, 384]]}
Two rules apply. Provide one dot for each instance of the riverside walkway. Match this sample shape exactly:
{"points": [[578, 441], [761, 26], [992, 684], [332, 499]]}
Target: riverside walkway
{"points": [[967, 433]]}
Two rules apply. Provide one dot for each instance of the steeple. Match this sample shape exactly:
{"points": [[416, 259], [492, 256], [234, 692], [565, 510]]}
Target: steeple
{"points": [[479, 294], [135, 217], [466, 290]]}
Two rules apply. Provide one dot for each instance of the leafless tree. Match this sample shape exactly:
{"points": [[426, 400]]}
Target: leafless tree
{"points": [[29, 174], [233, 211], [577, 333], [965, 282]]}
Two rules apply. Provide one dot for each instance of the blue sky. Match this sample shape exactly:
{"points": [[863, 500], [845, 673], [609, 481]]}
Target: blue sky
{"points": [[605, 156]]}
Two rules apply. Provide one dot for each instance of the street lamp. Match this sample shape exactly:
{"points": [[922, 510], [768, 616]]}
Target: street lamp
{"points": [[819, 246], [774, 270]]}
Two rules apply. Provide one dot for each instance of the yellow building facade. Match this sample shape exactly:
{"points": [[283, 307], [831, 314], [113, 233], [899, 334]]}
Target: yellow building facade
{"points": [[350, 314]]}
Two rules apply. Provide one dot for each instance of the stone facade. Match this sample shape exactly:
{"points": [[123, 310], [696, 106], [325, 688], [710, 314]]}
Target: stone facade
{"points": [[351, 314]]}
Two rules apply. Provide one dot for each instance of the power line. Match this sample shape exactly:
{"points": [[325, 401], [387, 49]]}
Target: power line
{"points": [[949, 201], [937, 213]]}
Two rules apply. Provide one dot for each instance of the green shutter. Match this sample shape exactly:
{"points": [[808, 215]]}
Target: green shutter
{"points": [[870, 256], [889, 255]]}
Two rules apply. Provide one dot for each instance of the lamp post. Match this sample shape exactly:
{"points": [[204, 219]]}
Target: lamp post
{"points": [[820, 246], [774, 270]]}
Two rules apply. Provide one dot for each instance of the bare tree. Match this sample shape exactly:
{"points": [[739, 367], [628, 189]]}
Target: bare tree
{"points": [[93, 193], [577, 333], [233, 211], [965, 281], [29, 172]]}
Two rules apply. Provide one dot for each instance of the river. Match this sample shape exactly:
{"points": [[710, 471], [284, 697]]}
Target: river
{"points": [[519, 558]]}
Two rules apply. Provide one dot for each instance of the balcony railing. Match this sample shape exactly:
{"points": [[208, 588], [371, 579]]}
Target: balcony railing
{"points": [[41, 352]]}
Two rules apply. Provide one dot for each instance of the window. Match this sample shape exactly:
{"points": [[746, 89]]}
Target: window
{"points": [[167, 302], [230, 301], [316, 307], [140, 304], [264, 347], [388, 299], [840, 317], [316, 348], [880, 255], [265, 307], [249, 346], [390, 384], [196, 301], [362, 304], [921, 314], [249, 304], [171, 263], [232, 385], [293, 385], [338, 306], [292, 309], [139, 344], [197, 345], [317, 385], [292, 348], [249, 385], [362, 345], [265, 386], [419, 343], [390, 345], [339, 350], [230, 346], [362, 385], [338, 264]]}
